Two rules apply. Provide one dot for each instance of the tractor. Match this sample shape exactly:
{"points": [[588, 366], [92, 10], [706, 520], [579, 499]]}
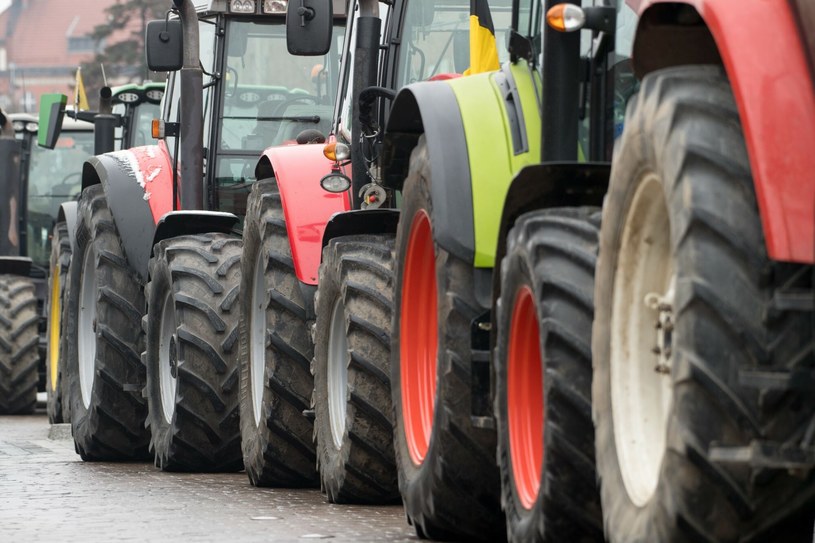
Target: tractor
{"points": [[151, 316], [34, 182], [133, 108], [691, 352], [316, 264]]}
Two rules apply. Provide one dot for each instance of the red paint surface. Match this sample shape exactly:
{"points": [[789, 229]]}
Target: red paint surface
{"points": [[307, 207], [156, 168], [765, 60]]}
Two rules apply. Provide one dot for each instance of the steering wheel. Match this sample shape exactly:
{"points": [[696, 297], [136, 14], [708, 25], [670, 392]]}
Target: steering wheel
{"points": [[63, 188], [282, 106]]}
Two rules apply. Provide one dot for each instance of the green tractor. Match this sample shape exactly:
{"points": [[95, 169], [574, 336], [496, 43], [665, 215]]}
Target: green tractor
{"points": [[131, 108], [35, 181]]}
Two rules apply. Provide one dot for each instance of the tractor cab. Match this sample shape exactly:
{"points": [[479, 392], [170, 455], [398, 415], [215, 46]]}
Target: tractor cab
{"points": [[255, 94], [137, 106]]}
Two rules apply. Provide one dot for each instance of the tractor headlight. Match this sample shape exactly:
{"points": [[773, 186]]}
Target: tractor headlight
{"points": [[128, 97], [19, 126], [155, 95], [275, 6], [242, 6], [31, 127]]}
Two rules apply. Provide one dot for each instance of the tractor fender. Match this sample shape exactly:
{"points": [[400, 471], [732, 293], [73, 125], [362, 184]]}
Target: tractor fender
{"points": [[361, 221], [431, 108], [480, 131], [307, 207], [189, 223], [67, 213], [765, 58], [138, 187]]}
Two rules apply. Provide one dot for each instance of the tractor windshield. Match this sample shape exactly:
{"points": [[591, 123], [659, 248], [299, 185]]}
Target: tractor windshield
{"points": [[54, 176], [436, 38]]}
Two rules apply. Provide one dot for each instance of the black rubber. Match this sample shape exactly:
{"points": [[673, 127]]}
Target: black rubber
{"points": [[202, 274], [58, 410], [684, 127], [19, 337], [357, 271], [280, 450], [454, 493], [553, 253], [112, 426]]}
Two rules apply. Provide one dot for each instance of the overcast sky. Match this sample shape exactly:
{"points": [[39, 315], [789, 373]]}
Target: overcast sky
{"points": [[4, 4]]}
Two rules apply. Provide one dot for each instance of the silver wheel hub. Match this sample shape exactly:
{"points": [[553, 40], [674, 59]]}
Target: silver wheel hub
{"points": [[642, 337], [257, 336], [338, 358], [86, 337], [168, 359]]}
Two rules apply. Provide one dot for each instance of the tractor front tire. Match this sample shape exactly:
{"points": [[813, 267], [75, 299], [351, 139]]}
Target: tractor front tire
{"points": [[542, 366], [352, 396], [103, 336], [192, 353], [57, 406], [19, 338], [276, 350], [448, 476], [687, 316]]}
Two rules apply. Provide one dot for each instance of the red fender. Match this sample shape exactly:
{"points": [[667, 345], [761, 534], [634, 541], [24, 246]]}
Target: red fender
{"points": [[765, 60], [153, 169], [307, 207]]}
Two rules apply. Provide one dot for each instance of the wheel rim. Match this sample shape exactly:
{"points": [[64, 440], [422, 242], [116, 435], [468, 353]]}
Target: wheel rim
{"points": [[54, 316], [337, 372], [525, 408], [86, 336], [641, 341], [257, 332], [168, 358], [418, 330]]}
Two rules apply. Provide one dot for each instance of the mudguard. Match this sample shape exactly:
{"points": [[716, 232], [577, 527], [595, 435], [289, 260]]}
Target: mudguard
{"points": [[361, 221], [67, 214], [480, 131], [306, 206], [765, 59], [138, 187]]}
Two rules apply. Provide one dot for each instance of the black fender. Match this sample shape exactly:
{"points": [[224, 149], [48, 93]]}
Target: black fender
{"points": [[431, 108], [67, 213], [542, 186], [15, 265], [188, 223], [130, 211], [361, 221]]}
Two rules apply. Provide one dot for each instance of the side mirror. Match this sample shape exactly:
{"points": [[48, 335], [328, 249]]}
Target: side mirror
{"points": [[52, 111], [309, 24], [164, 45]]}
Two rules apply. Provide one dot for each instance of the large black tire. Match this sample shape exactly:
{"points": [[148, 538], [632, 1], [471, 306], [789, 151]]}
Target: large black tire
{"points": [[192, 328], [277, 443], [109, 425], [19, 337], [453, 491], [355, 455], [58, 411], [544, 318], [683, 153]]}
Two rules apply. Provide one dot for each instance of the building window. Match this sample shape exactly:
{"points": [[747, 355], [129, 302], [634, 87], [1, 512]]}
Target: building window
{"points": [[81, 44]]}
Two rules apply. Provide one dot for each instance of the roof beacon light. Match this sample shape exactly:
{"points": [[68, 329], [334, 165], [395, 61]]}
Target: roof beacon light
{"points": [[566, 17], [275, 6], [242, 6]]}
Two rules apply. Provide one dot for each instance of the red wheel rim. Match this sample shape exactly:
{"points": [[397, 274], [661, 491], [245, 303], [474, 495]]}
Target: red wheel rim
{"points": [[525, 410], [418, 332]]}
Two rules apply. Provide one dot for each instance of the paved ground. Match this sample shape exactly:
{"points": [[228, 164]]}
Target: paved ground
{"points": [[47, 493]]}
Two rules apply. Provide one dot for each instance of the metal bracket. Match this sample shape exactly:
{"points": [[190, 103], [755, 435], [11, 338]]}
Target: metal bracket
{"points": [[766, 454]]}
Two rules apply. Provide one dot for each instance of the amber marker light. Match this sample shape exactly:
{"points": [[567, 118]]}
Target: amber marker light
{"points": [[565, 17], [337, 152], [157, 129]]}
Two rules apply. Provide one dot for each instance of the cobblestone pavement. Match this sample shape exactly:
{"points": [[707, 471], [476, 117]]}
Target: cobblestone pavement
{"points": [[47, 494]]}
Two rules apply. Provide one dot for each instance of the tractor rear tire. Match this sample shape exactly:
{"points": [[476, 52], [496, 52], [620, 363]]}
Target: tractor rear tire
{"points": [[57, 405], [19, 338], [448, 476], [352, 396], [102, 323], [276, 350], [671, 369], [542, 366], [192, 353]]}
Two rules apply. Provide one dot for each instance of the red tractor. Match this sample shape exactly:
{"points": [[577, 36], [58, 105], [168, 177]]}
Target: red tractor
{"points": [[154, 287]]}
